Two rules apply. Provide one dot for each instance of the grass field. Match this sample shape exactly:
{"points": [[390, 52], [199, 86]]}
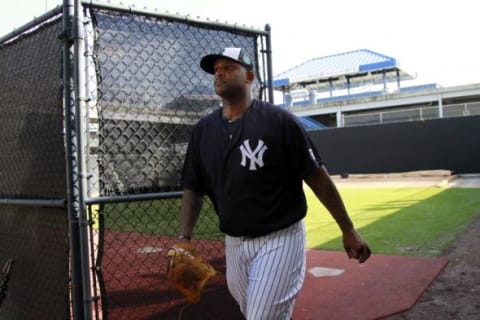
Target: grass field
{"points": [[403, 221], [399, 221], [159, 217]]}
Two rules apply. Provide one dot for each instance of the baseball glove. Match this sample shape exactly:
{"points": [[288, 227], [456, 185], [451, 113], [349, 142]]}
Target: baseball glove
{"points": [[187, 271]]}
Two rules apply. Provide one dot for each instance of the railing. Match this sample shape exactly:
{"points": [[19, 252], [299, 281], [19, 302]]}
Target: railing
{"points": [[303, 98], [413, 114]]}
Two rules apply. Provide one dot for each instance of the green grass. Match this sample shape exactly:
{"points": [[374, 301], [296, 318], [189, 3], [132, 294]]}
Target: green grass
{"points": [[159, 217], [404, 221]]}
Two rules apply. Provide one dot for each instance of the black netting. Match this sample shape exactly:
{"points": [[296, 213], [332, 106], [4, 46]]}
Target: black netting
{"points": [[34, 244], [32, 160], [36, 239]]}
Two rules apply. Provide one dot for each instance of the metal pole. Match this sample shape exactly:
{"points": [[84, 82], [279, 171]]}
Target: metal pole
{"points": [[80, 137], [81, 300], [49, 203], [68, 94], [269, 63], [440, 106], [191, 20], [135, 197]]}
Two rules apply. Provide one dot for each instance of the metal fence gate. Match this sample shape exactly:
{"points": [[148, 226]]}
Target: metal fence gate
{"points": [[97, 104]]}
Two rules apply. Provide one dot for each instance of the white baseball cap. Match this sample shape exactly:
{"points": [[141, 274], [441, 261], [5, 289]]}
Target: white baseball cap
{"points": [[235, 54]]}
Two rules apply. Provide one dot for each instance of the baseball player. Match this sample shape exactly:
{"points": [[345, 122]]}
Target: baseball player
{"points": [[251, 158]]}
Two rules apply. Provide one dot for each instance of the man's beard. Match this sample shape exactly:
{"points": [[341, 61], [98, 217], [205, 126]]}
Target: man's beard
{"points": [[228, 91]]}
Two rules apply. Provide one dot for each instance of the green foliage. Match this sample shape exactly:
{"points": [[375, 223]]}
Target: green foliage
{"points": [[404, 221]]}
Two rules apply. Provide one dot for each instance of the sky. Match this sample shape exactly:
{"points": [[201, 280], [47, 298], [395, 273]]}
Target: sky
{"points": [[434, 40]]}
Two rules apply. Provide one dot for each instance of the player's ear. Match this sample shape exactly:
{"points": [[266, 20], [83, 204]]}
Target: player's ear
{"points": [[250, 75]]}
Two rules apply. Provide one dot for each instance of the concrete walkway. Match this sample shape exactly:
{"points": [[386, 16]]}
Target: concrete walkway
{"points": [[464, 181], [416, 179]]}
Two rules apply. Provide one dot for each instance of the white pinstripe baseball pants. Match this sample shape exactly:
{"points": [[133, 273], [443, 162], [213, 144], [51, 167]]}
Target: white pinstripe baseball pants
{"points": [[265, 274]]}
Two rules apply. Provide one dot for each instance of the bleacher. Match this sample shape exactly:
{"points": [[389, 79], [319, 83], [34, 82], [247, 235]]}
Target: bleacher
{"points": [[362, 95], [364, 87], [350, 71]]}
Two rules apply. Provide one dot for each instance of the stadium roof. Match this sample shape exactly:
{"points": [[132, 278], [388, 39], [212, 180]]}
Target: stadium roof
{"points": [[342, 70]]}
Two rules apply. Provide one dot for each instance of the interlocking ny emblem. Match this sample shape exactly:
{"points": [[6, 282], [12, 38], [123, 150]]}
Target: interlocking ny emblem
{"points": [[255, 156]]}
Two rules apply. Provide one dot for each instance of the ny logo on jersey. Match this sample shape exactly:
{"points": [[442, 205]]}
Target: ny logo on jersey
{"points": [[255, 156]]}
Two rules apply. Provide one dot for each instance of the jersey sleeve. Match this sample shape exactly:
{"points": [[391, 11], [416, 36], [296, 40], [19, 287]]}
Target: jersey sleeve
{"points": [[304, 154], [191, 177]]}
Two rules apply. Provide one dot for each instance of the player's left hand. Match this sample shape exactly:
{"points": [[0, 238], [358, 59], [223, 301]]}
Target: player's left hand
{"points": [[355, 246], [187, 271]]}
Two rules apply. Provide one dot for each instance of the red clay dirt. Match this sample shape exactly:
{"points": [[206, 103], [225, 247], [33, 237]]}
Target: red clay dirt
{"points": [[385, 287]]}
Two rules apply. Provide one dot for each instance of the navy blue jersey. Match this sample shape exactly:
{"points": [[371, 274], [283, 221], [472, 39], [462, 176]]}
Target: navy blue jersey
{"points": [[252, 169]]}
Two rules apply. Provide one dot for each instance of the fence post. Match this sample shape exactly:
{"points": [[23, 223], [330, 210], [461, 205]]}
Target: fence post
{"points": [[79, 264], [269, 63]]}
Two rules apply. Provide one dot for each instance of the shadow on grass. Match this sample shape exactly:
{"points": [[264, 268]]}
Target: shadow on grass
{"points": [[423, 228]]}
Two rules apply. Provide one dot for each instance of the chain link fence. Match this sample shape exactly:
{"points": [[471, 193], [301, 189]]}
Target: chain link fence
{"points": [[150, 92], [143, 92], [147, 91], [34, 243]]}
